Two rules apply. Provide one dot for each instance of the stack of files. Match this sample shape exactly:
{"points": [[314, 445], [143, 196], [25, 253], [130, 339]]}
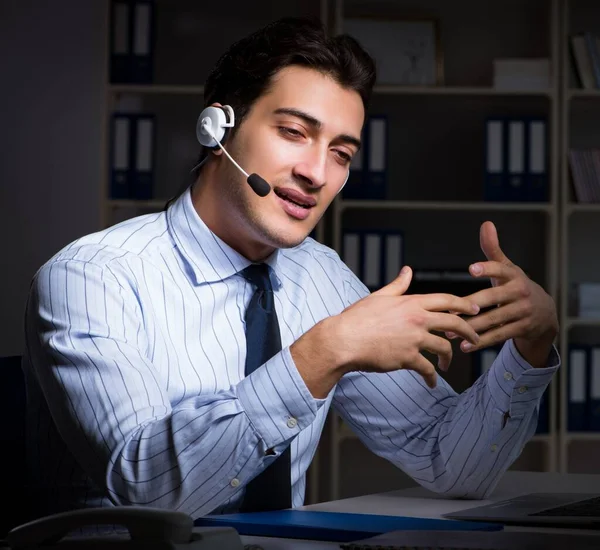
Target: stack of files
{"points": [[516, 160], [583, 388], [374, 256], [585, 53], [132, 30], [585, 174], [332, 526], [368, 169], [132, 152]]}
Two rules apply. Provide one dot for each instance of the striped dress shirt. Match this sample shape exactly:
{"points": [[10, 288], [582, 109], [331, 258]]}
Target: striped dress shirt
{"points": [[137, 394]]}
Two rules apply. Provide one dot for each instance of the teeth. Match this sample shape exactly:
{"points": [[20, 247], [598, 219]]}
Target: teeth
{"points": [[285, 197]]}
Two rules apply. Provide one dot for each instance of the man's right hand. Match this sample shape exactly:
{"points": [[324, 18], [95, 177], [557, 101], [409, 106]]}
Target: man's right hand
{"points": [[388, 329], [383, 332]]}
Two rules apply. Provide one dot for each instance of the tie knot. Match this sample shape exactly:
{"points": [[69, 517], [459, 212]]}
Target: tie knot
{"points": [[258, 275]]}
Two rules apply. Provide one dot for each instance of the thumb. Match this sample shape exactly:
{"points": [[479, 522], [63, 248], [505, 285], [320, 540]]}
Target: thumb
{"points": [[399, 285]]}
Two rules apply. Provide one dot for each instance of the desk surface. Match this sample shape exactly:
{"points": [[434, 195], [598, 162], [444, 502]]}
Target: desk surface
{"points": [[419, 502]]}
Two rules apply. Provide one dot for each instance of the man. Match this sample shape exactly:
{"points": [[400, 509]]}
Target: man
{"points": [[188, 359]]}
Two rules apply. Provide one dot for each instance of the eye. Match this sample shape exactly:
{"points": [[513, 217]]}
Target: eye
{"points": [[344, 157], [290, 132]]}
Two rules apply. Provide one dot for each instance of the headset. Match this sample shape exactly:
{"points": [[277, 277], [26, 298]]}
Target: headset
{"points": [[212, 129]]}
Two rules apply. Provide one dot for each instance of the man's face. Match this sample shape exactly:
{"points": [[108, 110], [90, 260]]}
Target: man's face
{"points": [[300, 137]]}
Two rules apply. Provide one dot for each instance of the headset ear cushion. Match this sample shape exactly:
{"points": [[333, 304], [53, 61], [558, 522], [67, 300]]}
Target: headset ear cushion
{"points": [[216, 118]]}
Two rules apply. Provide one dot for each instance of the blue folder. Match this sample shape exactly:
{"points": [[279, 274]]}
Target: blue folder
{"points": [[332, 526]]}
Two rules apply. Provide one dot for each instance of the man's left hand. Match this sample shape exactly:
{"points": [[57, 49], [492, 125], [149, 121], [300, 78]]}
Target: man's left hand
{"points": [[524, 312]]}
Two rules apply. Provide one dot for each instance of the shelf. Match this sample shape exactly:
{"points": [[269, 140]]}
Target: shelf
{"points": [[590, 94], [582, 436], [587, 207], [447, 205], [157, 203], [390, 89], [155, 89], [582, 322]]}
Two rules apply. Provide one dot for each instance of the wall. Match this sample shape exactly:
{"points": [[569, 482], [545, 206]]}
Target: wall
{"points": [[52, 59]]}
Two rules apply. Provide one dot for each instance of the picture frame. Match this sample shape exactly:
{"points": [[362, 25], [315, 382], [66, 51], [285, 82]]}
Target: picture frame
{"points": [[407, 50]]}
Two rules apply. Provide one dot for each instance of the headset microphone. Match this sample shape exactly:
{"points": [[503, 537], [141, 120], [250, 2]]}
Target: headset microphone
{"points": [[211, 129], [214, 118]]}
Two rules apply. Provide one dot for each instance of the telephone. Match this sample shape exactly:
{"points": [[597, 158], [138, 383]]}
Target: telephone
{"points": [[144, 529]]}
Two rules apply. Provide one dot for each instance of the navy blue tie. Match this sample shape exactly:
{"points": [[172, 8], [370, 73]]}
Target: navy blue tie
{"points": [[271, 489]]}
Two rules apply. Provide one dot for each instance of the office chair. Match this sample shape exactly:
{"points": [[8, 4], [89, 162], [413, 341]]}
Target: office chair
{"points": [[12, 438]]}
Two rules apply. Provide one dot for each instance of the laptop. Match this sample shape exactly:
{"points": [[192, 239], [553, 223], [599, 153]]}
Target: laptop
{"points": [[578, 510]]}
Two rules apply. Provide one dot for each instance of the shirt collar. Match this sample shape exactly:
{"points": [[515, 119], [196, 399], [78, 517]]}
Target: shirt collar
{"points": [[208, 258]]}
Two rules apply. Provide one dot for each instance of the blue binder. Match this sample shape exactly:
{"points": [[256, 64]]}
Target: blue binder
{"points": [[332, 526], [143, 148], [495, 155], [120, 157], [577, 372], [142, 53], [594, 389], [536, 187], [368, 172], [121, 19], [132, 37]]}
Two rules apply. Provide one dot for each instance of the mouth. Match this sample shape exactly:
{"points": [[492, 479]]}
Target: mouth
{"points": [[295, 204], [295, 197]]}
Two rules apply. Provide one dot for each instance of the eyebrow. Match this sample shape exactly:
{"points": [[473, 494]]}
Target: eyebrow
{"points": [[316, 124]]}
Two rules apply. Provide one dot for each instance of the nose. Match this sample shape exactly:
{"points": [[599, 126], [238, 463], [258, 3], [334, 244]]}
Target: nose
{"points": [[313, 168]]}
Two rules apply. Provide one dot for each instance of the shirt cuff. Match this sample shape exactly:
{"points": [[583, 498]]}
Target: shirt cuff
{"points": [[277, 401], [515, 385]]}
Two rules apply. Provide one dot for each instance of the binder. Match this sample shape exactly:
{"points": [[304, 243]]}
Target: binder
{"points": [[393, 256], [495, 146], [332, 526], [368, 169], [515, 182], [143, 144], [577, 402], [142, 67], [120, 156], [372, 260], [120, 41], [351, 252], [537, 160], [594, 56], [594, 389]]}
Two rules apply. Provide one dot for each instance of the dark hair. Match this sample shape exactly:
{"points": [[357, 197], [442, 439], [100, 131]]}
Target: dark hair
{"points": [[245, 71]]}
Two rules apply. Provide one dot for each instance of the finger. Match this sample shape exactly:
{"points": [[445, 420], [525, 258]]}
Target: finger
{"points": [[448, 302], [440, 347], [495, 336], [498, 295], [423, 366], [490, 245], [493, 269], [445, 322], [495, 317], [399, 285]]}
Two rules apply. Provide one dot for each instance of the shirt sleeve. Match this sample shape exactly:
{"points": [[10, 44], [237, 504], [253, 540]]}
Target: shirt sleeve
{"points": [[454, 444], [90, 353]]}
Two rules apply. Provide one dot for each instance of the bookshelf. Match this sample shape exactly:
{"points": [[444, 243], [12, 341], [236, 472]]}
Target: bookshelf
{"points": [[548, 239], [580, 112], [451, 116]]}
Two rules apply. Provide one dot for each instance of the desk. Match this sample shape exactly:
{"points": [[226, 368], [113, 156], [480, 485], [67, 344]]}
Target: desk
{"points": [[419, 502]]}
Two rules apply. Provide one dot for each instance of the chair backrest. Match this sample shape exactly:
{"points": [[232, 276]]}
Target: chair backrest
{"points": [[12, 438]]}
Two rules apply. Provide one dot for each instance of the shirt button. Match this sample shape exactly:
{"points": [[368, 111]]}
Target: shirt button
{"points": [[292, 423], [508, 376], [494, 447], [235, 482], [522, 389]]}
